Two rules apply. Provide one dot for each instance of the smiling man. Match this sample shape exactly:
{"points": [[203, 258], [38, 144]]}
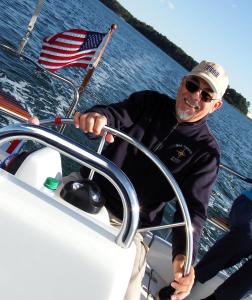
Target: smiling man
{"points": [[197, 95], [177, 132]]}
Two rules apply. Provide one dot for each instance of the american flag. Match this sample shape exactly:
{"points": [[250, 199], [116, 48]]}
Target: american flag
{"points": [[73, 47]]}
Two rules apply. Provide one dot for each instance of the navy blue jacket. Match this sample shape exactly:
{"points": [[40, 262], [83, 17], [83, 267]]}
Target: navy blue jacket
{"points": [[240, 216], [188, 150]]}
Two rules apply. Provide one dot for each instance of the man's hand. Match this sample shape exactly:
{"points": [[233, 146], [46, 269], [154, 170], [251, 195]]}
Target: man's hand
{"points": [[92, 123], [183, 285], [33, 120]]}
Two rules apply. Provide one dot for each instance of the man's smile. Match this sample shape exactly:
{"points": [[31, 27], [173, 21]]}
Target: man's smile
{"points": [[189, 103]]}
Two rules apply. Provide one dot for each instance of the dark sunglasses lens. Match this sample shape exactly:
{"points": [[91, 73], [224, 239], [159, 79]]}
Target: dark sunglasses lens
{"points": [[206, 97], [191, 86]]}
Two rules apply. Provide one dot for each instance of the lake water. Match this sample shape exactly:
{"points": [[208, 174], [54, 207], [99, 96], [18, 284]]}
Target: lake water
{"points": [[130, 63]]}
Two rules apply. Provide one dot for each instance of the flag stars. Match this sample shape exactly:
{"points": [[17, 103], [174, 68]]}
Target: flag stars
{"points": [[92, 40]]}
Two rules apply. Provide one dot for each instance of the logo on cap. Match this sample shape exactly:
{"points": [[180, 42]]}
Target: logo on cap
{"points": [[211, 70]]}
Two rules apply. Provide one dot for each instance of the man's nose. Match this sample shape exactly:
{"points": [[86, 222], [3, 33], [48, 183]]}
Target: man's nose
{"points": [[197, 95]]}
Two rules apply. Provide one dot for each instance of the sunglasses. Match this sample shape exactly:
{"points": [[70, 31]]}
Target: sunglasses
{"points": [[192, 87]]}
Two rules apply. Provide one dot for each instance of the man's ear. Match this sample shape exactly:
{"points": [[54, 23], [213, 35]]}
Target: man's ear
{"points": [[217, 105]]}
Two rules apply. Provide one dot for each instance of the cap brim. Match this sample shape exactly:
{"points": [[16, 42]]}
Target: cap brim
{"points": [[206, 78]]}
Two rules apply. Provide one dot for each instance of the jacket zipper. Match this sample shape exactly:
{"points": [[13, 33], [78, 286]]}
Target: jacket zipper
{"points": [[161, 143]]}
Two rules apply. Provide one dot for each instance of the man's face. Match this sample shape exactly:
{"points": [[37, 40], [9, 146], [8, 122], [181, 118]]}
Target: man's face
{"points": [[193, 100]]}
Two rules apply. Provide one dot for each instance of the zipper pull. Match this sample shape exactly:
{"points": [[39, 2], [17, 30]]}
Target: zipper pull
{"points": [[161, 144]]}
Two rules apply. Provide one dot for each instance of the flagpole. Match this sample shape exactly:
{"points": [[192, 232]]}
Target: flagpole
{"points": [[87, 77], [32, 22], [91, 71]]}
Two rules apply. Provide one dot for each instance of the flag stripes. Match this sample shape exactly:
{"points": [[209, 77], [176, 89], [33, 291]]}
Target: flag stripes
{"points": [[74, 47]]}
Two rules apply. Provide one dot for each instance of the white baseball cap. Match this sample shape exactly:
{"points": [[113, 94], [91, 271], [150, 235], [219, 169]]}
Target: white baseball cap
{"points": [[213, 74]]}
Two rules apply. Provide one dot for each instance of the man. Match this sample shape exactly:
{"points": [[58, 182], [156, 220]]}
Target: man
{"points": [[178, 134], [229, 250]]}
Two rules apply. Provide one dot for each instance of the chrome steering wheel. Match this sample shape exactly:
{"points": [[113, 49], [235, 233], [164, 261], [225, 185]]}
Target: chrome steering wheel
{"points": [[166, 173]]}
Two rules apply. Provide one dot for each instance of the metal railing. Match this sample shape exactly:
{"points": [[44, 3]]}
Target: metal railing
{"points": [[70, 83], [240, 176], [89, 159]]}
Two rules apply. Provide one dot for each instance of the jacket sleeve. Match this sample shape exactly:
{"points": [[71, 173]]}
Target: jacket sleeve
{"points": [[123, 114], [196, 189]]}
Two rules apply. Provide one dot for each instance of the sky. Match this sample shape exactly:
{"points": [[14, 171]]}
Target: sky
{"points": [[215, 30]]}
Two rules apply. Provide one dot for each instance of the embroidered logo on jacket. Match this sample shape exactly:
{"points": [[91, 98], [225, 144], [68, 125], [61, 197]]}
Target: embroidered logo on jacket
{"points": [[179, 153]]}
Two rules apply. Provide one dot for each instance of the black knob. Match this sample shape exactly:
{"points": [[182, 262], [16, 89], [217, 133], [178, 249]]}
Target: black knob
{"points": [[84, 194]]}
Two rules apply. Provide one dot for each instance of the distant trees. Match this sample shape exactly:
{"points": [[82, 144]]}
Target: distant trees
{"points": [[237, 100], [233, 97]]}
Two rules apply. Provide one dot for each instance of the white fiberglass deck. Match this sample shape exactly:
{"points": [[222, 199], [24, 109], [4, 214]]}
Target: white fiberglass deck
{"points": [[49, 251]]}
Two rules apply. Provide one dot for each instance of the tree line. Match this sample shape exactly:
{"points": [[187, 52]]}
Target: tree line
{"points": [[231, 95]]}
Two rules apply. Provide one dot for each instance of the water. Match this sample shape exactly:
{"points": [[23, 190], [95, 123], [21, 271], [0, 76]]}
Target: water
{"points": [[130, 63]]}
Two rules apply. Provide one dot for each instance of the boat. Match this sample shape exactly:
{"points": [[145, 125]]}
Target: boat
{"points": [[54, 250], [50, 248]]}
